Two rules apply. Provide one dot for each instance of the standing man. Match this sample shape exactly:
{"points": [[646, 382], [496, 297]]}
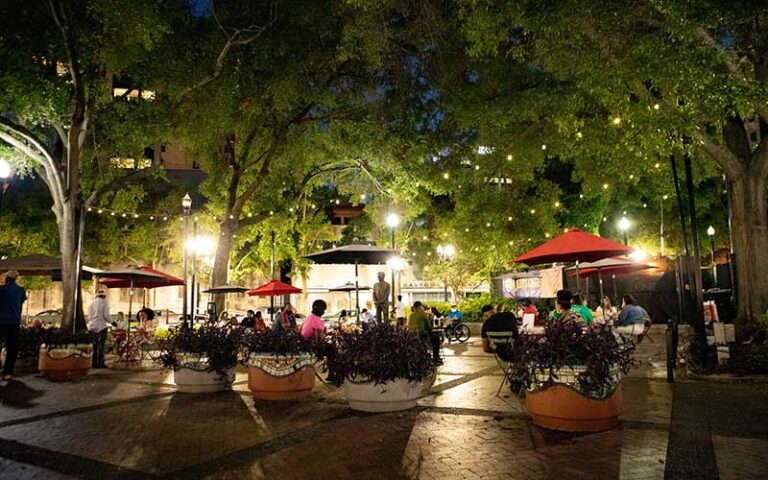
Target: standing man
{"points": [[98, 323], [381, 293], [400, 311], [12, 297]]}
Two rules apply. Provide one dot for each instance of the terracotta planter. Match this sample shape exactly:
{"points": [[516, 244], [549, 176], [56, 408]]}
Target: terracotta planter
{"points": [[561, 408], [195, 380], [62, 364], [272, 377], [386, 397]]}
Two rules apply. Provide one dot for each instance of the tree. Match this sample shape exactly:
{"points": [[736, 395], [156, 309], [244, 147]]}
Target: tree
{"points": [[653, 80], [55, 86], [274, 116]]}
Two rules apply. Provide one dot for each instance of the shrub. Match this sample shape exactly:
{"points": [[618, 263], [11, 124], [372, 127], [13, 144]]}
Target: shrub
{"points": [[215, 347], [595, 353], [278, 343], [59, 337], [378, 354]]}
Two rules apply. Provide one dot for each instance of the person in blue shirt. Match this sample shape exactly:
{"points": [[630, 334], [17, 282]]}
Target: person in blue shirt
{"points": [[455, 315], [12, 297], [631, 313]]}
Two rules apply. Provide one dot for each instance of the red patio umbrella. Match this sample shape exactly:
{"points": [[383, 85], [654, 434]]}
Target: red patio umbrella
{"points": [[573, 246], [272, 289], [144, 277]]}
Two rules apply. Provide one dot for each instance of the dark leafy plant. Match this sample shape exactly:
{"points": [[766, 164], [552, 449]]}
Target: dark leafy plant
{"points": [[30, 339], [379, 354], [278, 343], [60, 337], [568, 344], [217, 346]]}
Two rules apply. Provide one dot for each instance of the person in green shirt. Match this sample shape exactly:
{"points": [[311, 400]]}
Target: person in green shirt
{"points": [[420, 323], [584, 311], [564, 306]]}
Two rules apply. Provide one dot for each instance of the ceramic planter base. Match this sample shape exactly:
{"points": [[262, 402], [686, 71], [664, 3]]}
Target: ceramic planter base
{"points": [[561, 408], [386, 397], [63, 365], [295, 386], [188, 380]]}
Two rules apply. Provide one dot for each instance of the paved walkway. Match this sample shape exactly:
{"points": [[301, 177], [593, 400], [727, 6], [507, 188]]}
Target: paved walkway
{"points": [[133, 425]]}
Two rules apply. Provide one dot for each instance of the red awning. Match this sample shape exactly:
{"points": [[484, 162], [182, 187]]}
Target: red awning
{"points": [[572, 246], [159, 279], [273, 288]]}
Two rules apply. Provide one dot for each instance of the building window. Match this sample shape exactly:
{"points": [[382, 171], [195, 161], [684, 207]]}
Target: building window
{"points": [[195, 165]]}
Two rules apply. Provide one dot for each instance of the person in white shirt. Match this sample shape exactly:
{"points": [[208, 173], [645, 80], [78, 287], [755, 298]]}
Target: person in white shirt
{"points": [[98, 323], [606, 312], [400, 311]]}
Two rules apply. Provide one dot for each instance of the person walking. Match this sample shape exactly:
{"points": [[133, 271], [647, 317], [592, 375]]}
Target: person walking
{"points": [[98, 323], [12, 297]]}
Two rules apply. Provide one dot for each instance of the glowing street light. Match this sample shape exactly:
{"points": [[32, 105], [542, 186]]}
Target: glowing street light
{"points": [[186, 206], [711, 234], [624, 225]]}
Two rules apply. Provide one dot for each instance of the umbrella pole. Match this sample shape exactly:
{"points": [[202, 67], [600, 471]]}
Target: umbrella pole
{"points": [[272, 308], [130, 307], [615, 294], [578, 281]]}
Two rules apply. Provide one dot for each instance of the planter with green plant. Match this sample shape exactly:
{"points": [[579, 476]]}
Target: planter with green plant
{"points": [[571, 375], [280, 365], [381, 368], [203, 359], [64, 355]]}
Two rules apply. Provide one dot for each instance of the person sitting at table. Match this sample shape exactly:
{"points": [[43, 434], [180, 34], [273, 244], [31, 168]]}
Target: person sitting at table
{"points": [[607, 311], [420, 324], [342, 317], [494, 321], [584, 311], [258, 321], [249, 320], [564, 307], [314, 326], [366, 317], [286, 321], [631, 316], [527, 307]]}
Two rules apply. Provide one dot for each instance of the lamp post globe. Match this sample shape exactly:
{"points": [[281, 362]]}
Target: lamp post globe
{"points": [[711, 235], [624, 225]]}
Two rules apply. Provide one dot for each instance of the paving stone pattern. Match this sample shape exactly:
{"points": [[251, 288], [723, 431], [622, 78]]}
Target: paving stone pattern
{"points": [[125, 424]]}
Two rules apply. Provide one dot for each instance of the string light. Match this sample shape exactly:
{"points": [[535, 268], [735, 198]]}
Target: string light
{"points": [[446, 176], [605, 186], [509, 158]]}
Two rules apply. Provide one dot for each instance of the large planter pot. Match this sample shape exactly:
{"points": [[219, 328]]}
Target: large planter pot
{"points": [[386, 397], [61, 364], [559, 407], [190, 379], [274, 377]]}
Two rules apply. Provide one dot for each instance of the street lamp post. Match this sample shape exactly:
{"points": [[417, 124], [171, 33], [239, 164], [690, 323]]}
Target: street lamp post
{"points": [[624, 227], [5, 174], [445, 254], [393, 221], [186, 206], [711, 234]]}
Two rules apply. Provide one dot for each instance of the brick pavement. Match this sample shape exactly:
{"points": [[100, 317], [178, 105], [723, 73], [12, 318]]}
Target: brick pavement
{"points": [[132, 425]]}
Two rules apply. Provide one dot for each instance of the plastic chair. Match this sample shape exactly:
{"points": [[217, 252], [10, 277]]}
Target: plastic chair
{"points": [[495, 339]]}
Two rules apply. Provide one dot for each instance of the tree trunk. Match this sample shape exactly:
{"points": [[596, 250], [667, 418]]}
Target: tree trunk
{"points": [[750, 244], [220, 271], [72, 317]]}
